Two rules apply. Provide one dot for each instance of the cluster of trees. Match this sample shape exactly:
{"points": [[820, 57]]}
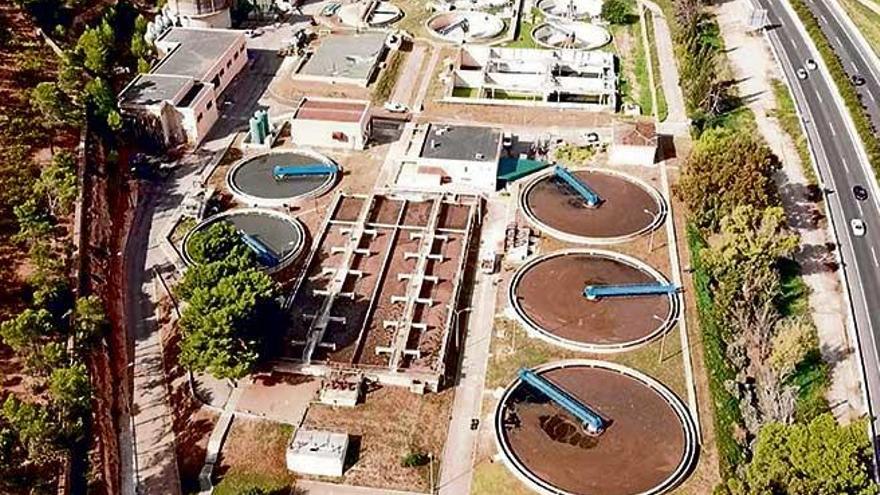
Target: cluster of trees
{"points": [[700, 50], [618, 11], [232, 307], [759, 344]]}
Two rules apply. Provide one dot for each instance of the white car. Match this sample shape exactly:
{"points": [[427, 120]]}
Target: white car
{"points": [[811, 64], [858, 227], [395, 107], [801, 73]]}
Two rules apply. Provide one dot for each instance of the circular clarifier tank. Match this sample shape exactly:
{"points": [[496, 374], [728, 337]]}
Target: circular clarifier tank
{"points": [[565, 34], [374, 14], [570, 9], [282, 236], [252, 182], [547, 296], [649, 445], [628, 208], [465, 26]]}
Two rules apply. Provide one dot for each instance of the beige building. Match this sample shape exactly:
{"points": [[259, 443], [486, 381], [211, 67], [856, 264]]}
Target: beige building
{"points": [[633, 144], [176, 102], [201, 13], [331, 123]]}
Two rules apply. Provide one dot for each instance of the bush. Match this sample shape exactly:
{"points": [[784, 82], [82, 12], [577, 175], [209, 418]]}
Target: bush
{"points": [[617, 11], [414, 459]]}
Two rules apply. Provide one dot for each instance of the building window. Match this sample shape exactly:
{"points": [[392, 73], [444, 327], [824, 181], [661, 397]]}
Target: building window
{"points": [[199, 117], [209, 105], [235, 56], [222, 71], [228, 63]]}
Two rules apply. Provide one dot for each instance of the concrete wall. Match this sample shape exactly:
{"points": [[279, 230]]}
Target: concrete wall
{"points": [[620, 154], [479, 176], [198, 118], [228, 66], [218, 20]]}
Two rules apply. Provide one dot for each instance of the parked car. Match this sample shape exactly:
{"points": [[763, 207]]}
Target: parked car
{"points": [[858, 227], [395, 107], [860, 192]]}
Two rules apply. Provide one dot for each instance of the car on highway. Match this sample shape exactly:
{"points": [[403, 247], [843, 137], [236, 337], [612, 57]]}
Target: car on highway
{"points": [[858, 227], [811, 64], [801, 73], [857, 80], [860, 192]]}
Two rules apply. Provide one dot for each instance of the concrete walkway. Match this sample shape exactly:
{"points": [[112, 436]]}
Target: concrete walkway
{"points": [[456, 467], [754, 66], [409, 76], [677, 122]]}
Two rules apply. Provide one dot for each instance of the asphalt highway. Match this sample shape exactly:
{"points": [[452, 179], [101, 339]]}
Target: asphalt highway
{"points": [[841, 167], [855, 56]]}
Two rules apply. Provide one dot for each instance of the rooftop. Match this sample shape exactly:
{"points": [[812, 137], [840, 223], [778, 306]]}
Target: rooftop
{"points": [[636, 134], [331, 110], [465, 143], [319, 443], [346, 56], [197, 50], [151, 89]]}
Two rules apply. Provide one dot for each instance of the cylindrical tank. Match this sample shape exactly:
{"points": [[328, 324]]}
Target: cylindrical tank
{"points": [[264, 122], [257, 135]]}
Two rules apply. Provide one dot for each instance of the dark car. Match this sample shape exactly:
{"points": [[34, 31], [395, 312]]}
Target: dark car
{"points": [[860, 193], [857, 80]]}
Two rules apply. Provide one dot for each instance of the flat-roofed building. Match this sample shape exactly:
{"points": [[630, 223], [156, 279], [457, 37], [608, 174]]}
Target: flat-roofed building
{"points": [[317, 452], [633, 143], [455, 157], [562, 78], [176, 102], [345, 59], [331, 123]]}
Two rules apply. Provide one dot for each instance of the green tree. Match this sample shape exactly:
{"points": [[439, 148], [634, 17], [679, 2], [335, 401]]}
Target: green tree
{"points": [[34, 426], [225, 325], [95, 46], [24, 332], [57, 184], [727, 169], [795, 338], [617, 11], [54, 106], [33, 221], [90, 320], [820, 457], [71, 393], [217, 242]]}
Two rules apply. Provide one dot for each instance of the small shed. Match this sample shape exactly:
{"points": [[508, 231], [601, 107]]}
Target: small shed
{"points": [[331, 123], [317, 452], [633, 143]]}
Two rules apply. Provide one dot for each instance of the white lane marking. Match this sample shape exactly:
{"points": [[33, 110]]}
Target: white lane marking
{"points": [[861, 211], [838, 40], [874, 255], [845, 166], [871, 96], [820, 98], [831, 126], [823, 18]]}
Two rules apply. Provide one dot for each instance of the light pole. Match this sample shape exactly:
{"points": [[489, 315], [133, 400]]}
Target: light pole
{"points": [[455, 320], [653, 228], [662, 338]]}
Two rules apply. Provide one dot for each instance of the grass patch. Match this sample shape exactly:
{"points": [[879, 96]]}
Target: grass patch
{"points": [[524, 32], [491, 478], [640, 69], [383, 88], [237, 483], [866, 20], [727, 417], [794, 292], [253, 457], [788, 118], [662, 105], [466, 92]]}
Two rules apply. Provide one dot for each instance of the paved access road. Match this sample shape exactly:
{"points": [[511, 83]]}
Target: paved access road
{"points": [[841, 167], [856, 57]]}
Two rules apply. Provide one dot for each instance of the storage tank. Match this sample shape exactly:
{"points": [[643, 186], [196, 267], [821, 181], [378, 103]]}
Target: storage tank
{"points": [[202, 13]]}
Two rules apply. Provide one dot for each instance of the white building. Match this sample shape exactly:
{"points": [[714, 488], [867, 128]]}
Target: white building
{"points": [[562, 78], [456, 158], [201, 13], [633, 144], [176, 102], [331, 123], [317, 452]]}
